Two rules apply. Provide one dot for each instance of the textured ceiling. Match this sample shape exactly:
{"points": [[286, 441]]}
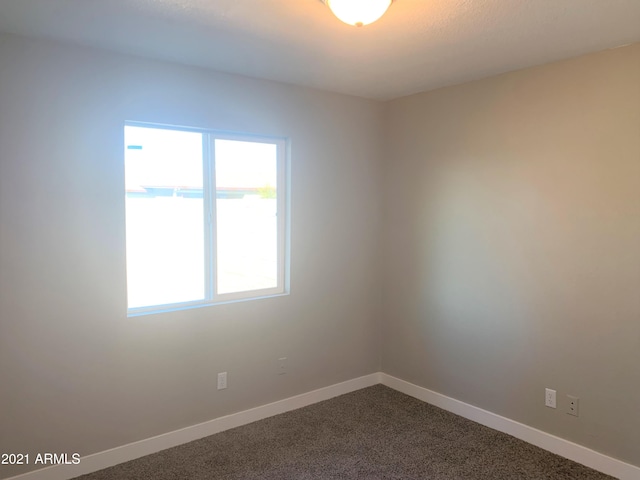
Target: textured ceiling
{"points": [[418, 45]]}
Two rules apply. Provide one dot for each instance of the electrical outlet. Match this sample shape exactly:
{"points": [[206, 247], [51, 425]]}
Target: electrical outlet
{"points": [[222, 380], [550, 398], [572, 408], [282, 365]]}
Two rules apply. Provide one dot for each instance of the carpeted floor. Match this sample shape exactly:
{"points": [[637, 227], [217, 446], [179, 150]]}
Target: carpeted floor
{"points": [[374, 433]]}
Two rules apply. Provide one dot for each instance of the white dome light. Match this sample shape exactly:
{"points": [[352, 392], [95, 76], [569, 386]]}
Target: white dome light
{"points": [[358, 12]]}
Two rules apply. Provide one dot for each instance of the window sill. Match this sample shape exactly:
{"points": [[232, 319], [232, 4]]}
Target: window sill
{"points": [[176, 307]]}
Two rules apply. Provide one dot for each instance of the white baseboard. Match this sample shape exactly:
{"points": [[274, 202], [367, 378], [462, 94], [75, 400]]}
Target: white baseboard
{"points": [[551, 443], [125, 453]]}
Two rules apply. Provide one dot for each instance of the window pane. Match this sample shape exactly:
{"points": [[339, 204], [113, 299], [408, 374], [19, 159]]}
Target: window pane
{"points": [[165, 216], [247, 234]]}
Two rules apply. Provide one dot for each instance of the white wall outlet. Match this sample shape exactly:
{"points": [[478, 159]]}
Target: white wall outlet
{"points": [[572, 408], [222, 380], [282, 365], [550, 398]]}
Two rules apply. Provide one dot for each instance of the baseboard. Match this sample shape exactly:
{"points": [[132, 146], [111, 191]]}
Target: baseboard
{"points": [[125, 453], [551, 443]]}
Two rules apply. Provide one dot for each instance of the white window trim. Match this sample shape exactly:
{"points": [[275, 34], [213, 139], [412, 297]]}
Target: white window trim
{"points": [[283, 216]]}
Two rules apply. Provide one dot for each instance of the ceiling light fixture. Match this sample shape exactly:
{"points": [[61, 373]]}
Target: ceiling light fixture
{"points": [[358, 12]]}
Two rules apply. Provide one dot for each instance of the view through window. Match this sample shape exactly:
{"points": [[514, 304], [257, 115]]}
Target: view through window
{"points": [[204, 217]]}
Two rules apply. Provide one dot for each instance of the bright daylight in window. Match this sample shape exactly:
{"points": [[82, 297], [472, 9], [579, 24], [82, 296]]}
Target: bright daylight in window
{"points": [[205, 219]]}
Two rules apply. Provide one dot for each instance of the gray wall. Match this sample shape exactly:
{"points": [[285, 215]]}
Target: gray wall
{"points": [[509, 231], [512, 219], [75, 373]]}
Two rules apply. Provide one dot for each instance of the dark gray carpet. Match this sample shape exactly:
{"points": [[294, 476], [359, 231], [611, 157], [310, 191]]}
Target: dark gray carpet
{"points": [[375, 433]]}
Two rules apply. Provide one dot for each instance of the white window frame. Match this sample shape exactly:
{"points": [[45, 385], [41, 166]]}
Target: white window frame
{"points": [[209, 202]]}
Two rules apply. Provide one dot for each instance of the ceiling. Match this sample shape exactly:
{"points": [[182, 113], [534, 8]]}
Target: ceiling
{"points": [[418, 45]]}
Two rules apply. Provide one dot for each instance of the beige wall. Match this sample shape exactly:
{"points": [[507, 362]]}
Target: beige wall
{"points": [[512, 218], [510, 227], [75, 373]]}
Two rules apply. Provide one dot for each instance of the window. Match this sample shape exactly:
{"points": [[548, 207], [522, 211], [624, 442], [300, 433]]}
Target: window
{"points": [[205, 217]]}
